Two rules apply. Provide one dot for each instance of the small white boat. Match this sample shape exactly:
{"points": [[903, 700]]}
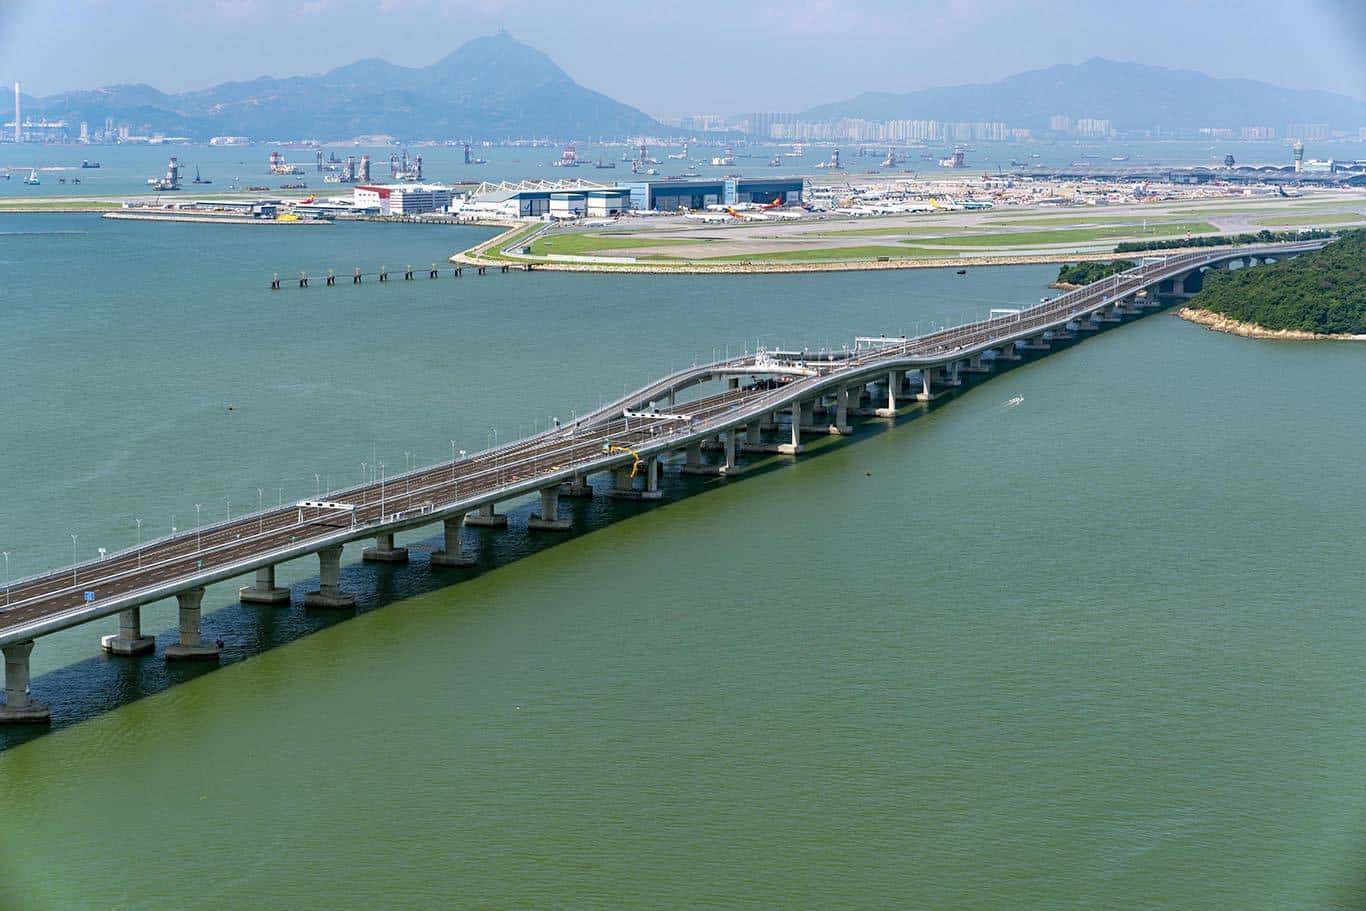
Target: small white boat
{"points": [[32, 178]]}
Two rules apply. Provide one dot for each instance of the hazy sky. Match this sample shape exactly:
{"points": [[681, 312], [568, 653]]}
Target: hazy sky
{"points": [[670, 57]]}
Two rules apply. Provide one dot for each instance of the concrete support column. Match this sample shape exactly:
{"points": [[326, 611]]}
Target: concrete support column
{"points": [[808, 413], [795, 446], [19, 706], [951, 373], [130, 640], [842, 402], [754, 433], [384, 550], [192, 644], [693, 455], [578, 488], [926, 385], [894, 380], [654, 467], [728, 466], [450, 554], [265, 590], [1035, 343], [329, 593], [548, 519], [1007, 352], [623, 485], [487, 517], [975, 364]]}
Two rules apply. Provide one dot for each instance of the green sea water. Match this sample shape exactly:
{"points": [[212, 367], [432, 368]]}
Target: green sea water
{"points": [[1101, 649]]}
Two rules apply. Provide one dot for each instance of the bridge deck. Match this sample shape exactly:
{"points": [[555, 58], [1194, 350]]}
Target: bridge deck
{"points": [[161, 568]]}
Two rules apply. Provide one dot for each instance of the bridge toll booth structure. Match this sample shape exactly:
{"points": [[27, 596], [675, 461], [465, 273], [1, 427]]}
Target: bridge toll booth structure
{"points": [[191, 645], [264, 590], [329, 593], [548, 519], [129, 640], [487, 517], [894, 380], [385, 551], [450, 554], [19, 707], [795, 446]]}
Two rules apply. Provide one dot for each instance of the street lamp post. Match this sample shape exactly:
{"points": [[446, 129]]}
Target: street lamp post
{"points": [[6, 577], [139, 522], [317, 485], [228, 500], [73, 559], [452, 461], [196, 526], [260, 510], [381, 491], [364, 479]]}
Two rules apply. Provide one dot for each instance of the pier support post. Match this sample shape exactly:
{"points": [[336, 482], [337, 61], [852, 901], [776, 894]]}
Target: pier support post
{"points": [[894, 380], [486, 517], [265, 590], [19, 706], [728, 466], [450, 554], [384, 551], [975, 364], [843, 399], [754, 433], [1007, 352], [623, 485], [795, 446], [692, 461], [654, 468], [191, 644], [329, 593], [578, 488], [1036, 343], [926, 385], [129, 640], [548, 519]]}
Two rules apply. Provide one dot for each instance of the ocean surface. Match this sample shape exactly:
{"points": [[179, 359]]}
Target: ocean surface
{"points": [[125, 169], [1099, 649]]}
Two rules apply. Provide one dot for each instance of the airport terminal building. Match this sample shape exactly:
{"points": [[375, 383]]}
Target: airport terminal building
{"points": [[674, 194]]}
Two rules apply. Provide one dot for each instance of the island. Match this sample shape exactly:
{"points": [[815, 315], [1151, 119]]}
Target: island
{"points": [[1319, 295]]}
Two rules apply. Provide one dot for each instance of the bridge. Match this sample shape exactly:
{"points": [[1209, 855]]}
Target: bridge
{"points": [[766, 402]]}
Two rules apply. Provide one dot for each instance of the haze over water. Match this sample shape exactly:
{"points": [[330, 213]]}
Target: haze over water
{"points": [[1101, 649]]}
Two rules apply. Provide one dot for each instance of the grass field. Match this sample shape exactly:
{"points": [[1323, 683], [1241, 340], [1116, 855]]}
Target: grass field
{"points": [[823, 254], [582, 244], [1327, 218], [894, 231], [56, 205], [1073, 235], [1077, 216]]}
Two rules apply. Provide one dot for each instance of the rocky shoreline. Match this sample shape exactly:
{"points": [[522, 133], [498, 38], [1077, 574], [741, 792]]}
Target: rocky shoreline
{"points": [[1221, 323]]}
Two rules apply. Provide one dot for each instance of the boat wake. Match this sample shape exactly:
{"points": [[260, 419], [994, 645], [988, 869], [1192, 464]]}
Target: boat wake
{"points": [[1013, 401]]}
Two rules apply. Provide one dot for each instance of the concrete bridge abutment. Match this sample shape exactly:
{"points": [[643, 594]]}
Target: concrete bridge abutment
{"points": [[192, 645], [19, 706]]}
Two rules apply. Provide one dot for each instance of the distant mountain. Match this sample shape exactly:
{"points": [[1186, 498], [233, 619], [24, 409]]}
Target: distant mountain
{"points": [[1130, 95], [493, 87]]}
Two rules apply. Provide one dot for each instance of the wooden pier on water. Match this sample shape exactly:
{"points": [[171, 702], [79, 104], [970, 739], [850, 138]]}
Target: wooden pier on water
{"points": [[382, 275]]}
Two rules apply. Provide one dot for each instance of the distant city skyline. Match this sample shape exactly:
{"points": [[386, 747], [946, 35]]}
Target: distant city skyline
{"points": [[674, 61]]}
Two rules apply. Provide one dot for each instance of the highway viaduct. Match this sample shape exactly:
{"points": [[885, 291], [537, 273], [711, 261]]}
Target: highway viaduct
{"points": [[765, 402]]}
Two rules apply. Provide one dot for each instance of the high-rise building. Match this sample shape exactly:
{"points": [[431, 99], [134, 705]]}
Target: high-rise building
{"points": [[85, 132], [1060, 123], [1091, 126], [18, 118]]}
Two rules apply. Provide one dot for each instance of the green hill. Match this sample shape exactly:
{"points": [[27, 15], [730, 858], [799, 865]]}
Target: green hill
{"points": [[1322, 292]]}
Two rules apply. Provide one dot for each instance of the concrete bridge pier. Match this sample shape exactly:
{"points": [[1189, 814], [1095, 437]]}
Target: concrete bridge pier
{"points": [[578, 488], [949, 374], [926, 393], [894, 380], [975, 364], [728, 465], [1036, 343], [1007, 352], [486, 517], [192, 644], [654, 470], [384, 551], [450, 554], [754, 434], [548, 519], [129, 640], [264, 591], [623, 485], [692, 460], [329, 593], [1084, 323], [19, 707], [808, 415], [843, 399], [795, 446]]}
